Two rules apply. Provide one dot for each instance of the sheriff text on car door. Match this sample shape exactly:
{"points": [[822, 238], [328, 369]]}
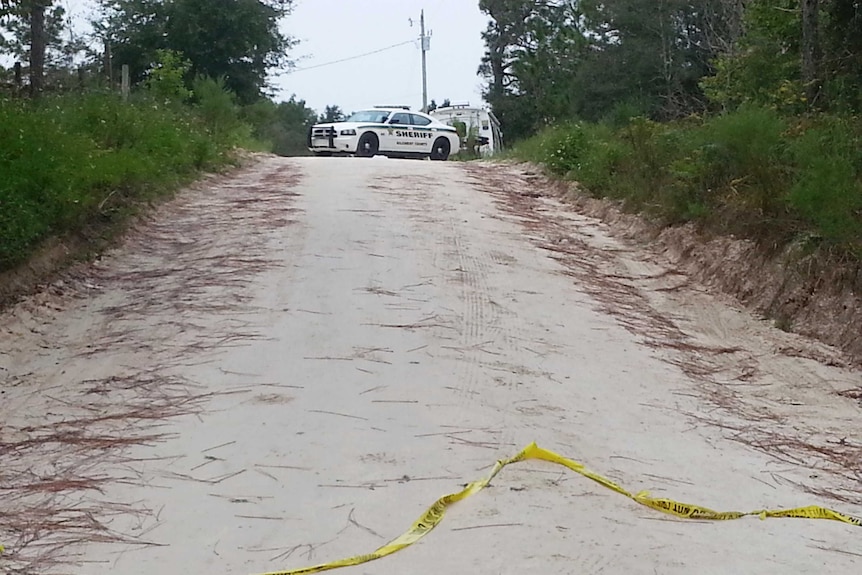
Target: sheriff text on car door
{"points": [[404, 135]]}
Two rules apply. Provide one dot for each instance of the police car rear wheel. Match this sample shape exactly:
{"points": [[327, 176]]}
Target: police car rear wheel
{"points": [[368, 145], [441, 150]]}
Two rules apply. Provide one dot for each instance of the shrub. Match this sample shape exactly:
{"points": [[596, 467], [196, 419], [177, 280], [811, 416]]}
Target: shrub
{"points": [[563, 147], [601, 159], [744, 160], [165, 80], [749, 171], [827, 191], [217, 107], [642, 153]]}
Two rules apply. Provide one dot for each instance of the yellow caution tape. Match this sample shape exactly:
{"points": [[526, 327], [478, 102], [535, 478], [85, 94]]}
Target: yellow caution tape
{"points": [[434, 515]]}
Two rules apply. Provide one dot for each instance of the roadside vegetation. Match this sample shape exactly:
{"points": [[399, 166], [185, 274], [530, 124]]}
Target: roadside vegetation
{"points": [[749, 172], [742, 117], [79, 156], [75, 162]]}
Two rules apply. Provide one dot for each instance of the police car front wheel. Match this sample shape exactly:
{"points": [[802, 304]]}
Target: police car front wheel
{"points": [[441, 149], [368, 145]]}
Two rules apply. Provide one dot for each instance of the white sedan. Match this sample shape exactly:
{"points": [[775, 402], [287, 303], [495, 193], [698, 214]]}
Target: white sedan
{"points": [[392, 132]]}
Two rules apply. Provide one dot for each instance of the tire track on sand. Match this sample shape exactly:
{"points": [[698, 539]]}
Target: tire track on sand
{"points": [[483, 338]]}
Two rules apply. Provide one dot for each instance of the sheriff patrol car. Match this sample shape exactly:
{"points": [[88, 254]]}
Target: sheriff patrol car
{"points": [[396, 132]]}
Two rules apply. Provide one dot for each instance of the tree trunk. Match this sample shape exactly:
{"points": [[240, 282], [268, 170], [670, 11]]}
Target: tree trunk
{"points": [[109, 63], [811, 50], [498, 38], [497, 71], [37, 47]]}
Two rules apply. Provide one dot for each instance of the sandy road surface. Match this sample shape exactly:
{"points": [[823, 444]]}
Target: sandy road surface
{"points": [[288, 365]]}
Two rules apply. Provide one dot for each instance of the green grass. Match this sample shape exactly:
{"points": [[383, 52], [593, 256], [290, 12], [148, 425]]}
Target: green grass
{"points": [[751, 172], [71, 162]]}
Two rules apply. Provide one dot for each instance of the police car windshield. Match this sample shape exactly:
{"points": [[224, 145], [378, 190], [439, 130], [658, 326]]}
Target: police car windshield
{"points": [[378, 116]]}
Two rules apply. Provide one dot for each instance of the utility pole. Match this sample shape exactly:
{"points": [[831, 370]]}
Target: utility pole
{"points": [[426, 45]]}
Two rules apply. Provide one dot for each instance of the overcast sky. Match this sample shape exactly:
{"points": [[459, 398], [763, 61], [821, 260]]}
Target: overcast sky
{"points": [[331, 30]]}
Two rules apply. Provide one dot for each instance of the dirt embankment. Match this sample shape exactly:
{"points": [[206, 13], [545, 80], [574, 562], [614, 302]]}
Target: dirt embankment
{"points": [[799, 291]]}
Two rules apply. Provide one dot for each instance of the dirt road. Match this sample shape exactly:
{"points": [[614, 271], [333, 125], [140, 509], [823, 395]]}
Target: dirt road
{"points": [[287, 366]]}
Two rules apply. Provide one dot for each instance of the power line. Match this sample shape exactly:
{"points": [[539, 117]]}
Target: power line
{"points": [[351, 57]]}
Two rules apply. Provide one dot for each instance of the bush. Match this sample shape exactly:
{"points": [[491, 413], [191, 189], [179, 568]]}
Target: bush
{"points": [[165, 79], [563, 148], [217, 107], [827, 191], [749, 172], [648, 151], [744, 159], [282, 127], [600, 160]]}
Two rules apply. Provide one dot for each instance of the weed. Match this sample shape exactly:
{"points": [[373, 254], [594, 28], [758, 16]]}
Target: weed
{"points": [[72, 160]]}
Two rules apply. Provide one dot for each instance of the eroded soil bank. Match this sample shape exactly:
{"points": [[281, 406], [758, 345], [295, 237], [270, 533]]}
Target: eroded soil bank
{"points": [[798, 291]]}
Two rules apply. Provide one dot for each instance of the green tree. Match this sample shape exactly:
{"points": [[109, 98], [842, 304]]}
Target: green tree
{"points": [[505, 29], [331, 114], [217, 106], [548, 61], [533, 49], [811, 50], [284, 125], [508, 21], [165, 78], [841, 42], [765, 69], [654, 53], [794, 55], [238, 40], [33, 12], [59, 50]]}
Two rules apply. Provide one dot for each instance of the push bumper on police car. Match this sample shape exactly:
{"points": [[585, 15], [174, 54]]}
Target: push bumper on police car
{"points": [[332, 140]]}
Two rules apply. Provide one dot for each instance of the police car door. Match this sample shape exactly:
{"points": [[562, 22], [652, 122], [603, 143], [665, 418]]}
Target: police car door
{"points": [[425, 139], [399, 137]]}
